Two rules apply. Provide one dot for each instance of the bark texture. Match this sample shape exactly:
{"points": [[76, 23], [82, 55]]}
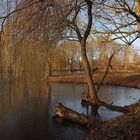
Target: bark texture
{"points": [[92, 89], [73, 116]]}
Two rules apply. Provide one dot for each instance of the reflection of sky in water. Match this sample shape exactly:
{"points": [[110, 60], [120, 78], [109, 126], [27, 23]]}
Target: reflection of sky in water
{"points": [[119, 95], [69, 95], [106, 114]]}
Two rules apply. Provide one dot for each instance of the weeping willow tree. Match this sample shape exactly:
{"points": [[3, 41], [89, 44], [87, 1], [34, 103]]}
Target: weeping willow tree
{"points": [[30, 32]]}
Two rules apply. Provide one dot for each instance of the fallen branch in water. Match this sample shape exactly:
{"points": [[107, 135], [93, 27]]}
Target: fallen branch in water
{"points": [[115, 108], [86, 99], [73, 116]]}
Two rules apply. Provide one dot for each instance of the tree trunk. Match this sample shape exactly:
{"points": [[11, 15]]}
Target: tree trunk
{"points": [[80, 66], [92, 89], [73, 116], [48, 71]]}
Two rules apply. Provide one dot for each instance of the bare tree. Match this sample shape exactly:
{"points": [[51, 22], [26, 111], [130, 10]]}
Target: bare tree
{"points": [[82, 38], [119, 19]]}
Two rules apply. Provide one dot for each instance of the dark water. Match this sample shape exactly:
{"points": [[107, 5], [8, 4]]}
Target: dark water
{"points": [[65, 72], [26, 109]]}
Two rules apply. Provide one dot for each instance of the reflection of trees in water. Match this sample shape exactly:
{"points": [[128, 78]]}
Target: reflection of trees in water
{"points": [[23, 92], [26, 102], [91, 110]]}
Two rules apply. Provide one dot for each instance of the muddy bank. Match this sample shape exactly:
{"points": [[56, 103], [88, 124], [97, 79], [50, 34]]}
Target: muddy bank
{"points": [[119, 79], [122, 128]]}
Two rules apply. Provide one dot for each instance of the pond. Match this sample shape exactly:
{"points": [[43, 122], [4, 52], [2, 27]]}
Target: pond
{"points": [[26, 109]]}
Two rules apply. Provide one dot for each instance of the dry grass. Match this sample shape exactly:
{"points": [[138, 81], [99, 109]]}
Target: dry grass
{"points": [[126, 127], [120, 79]]}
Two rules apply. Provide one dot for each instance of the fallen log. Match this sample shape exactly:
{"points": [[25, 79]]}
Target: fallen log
{"points": [[73, 116], [86, 101], [112, 107], [116, 108]]}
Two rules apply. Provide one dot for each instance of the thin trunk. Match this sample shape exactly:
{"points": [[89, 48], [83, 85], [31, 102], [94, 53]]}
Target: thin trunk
{"points": [[48, 71], [92, 89], [80, 66], [82, 40]]}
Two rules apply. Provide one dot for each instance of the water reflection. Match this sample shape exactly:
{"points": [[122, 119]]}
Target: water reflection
{"points": [[26, 108], [26, 111], [120, 96]]}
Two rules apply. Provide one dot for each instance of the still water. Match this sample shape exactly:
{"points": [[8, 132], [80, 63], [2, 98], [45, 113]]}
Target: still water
{"points": [[26, 109]]}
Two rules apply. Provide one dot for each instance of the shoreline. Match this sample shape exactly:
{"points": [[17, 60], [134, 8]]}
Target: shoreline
{"points": [[122, 79], [123, 127]]}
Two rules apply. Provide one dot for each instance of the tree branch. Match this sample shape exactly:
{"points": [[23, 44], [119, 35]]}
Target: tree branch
{"points": [[107, 70], [88, 29]]}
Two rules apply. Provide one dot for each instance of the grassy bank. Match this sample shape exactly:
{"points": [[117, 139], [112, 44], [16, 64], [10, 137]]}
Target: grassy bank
{"points": [[120, 79], [126, 127]]}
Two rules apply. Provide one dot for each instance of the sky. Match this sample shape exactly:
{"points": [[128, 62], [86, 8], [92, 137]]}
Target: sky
{"points": [[137, 43]]}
